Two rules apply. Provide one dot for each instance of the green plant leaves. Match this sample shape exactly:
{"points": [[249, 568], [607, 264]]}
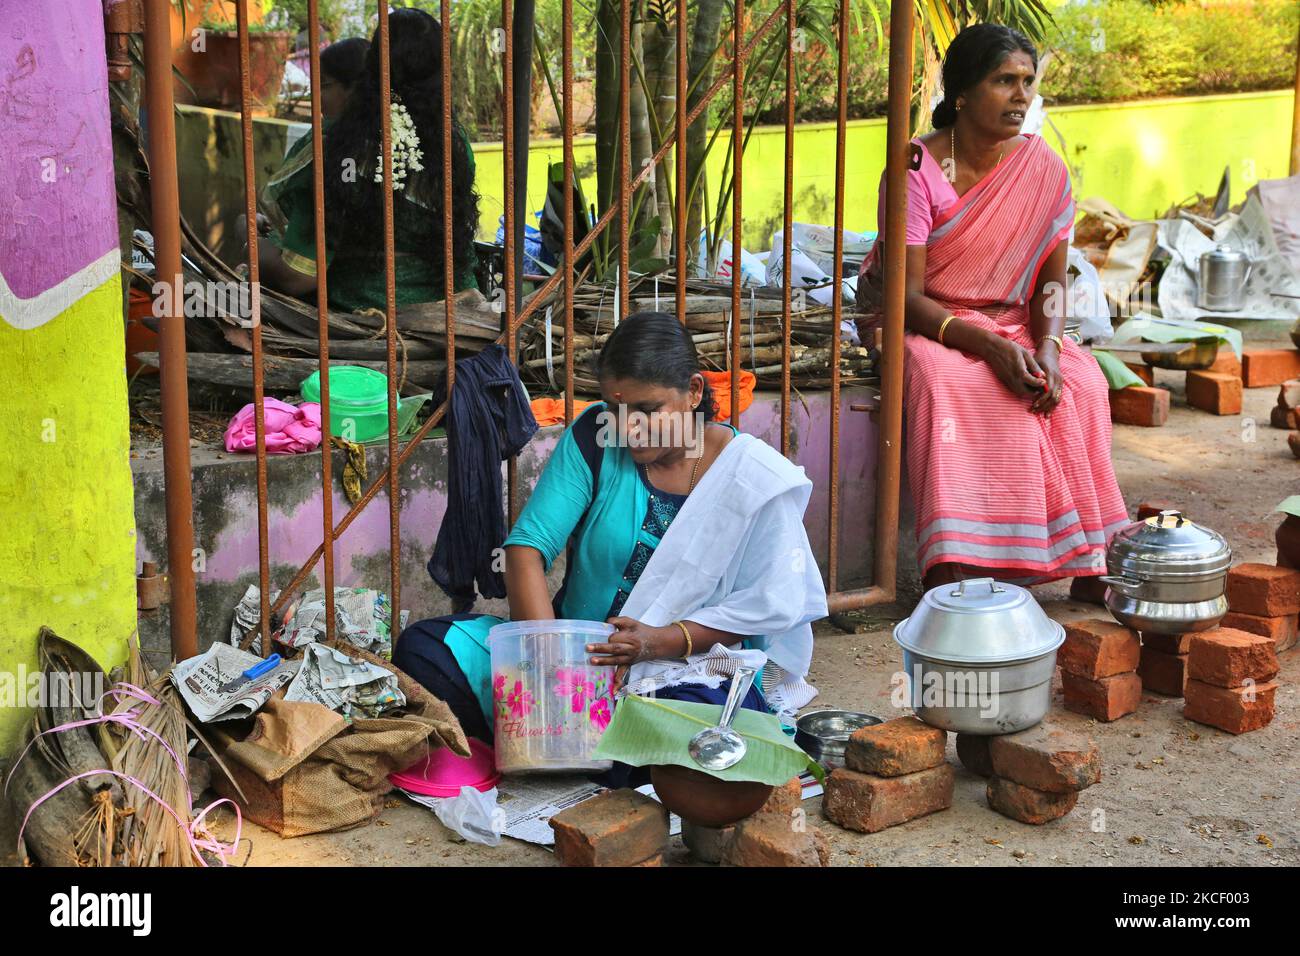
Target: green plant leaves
{"points": [[646, 731]]}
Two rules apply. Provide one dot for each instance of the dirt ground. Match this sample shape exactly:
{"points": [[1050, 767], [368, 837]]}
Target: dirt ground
{"points": [[1172, 792]]}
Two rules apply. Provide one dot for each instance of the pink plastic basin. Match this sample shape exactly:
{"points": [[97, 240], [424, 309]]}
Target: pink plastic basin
{"points": [[443, 773]]}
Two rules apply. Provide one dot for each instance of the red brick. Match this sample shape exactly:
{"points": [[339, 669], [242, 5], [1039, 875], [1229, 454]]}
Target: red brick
{"points": [[1283, 629], [973, 752], [1047, 758], [896, 747], [616, 828], [1234, 709], [1214, 392], [1144, 372], [1096, 648], [1227, 657], [1163, 673], [1167, 643], [868, 804], [706, 843], [1260, 367], [767, 839], [1288, 394], [1107, 699], [1153, 507], [1293, 442], [785, 799], [1283, 418], [1264, 590], [1026, 804], [1139, 405], [1226, 362]]}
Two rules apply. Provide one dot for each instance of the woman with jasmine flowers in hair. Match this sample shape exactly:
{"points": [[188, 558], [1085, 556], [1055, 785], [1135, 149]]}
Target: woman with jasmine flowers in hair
{"points": [[1008, 422], [354, 216]]}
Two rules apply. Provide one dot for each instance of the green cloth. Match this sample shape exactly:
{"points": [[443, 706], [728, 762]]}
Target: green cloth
{"points": [[356, 275]]}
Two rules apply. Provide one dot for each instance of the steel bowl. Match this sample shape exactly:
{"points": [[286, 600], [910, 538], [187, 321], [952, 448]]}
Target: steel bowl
{"points": [[979, 656], [824, 734]]}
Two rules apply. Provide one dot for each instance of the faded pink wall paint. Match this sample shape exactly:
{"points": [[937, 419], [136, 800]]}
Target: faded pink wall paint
{"points": [[55, 127]]}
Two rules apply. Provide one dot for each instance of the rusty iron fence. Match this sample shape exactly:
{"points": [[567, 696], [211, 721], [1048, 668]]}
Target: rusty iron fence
{"points": [[166, 226]]}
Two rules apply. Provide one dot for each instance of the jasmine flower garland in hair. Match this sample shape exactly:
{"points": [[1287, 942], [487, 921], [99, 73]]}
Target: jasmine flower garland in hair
{"points": [[406, 147]]}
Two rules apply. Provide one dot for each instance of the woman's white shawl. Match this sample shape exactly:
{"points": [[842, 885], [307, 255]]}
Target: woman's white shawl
{"points": [[736, 558]]}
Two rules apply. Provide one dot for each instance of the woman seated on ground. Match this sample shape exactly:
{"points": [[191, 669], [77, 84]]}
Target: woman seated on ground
{"points": [[688, 538], [354, 217], [1008, 423]]}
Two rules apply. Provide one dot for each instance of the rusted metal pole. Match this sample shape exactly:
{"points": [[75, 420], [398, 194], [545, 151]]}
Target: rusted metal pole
{"points": [[737, 164], [322, 317], [1295, 114], [513, 264], [164, 192], [569, 255], [889, 448], [679, 160], [448, 198], [837, 300], [787, 224], [624, 160], [390, 322]]}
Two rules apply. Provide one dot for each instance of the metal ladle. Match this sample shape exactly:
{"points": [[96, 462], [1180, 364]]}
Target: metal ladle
{"points": [[720, 747]]}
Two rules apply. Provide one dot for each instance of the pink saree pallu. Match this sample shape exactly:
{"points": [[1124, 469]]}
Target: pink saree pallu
{"points": [[996, 485]]}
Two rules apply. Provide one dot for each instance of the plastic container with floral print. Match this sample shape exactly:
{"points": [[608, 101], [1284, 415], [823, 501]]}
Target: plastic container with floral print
{"points": [[550, 705]]}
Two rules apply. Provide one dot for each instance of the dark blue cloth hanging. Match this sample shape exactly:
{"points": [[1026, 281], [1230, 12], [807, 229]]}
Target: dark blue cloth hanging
{"points": [[488, 420]]}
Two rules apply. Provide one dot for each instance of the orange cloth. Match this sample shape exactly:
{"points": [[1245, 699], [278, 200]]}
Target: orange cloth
{"points": [[720, 382], [550, 411]]}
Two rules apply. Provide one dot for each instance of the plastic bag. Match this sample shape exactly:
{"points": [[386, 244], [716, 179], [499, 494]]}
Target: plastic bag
{"points": [[473, 814], [1086, 301], [752, 270]]}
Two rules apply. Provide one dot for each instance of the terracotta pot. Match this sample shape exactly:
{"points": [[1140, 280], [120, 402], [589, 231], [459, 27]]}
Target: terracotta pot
{"points": [[705, 800], [1288, 542], [214, 73], [139, 337]]}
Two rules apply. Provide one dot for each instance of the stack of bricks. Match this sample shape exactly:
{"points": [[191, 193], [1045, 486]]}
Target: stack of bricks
{"points": [[895, 773], [1099, 662], [1036, 775], [1264, 599], [777, 835], [1163, 665], [1230, 680], [1265, 368], [616, 828]]}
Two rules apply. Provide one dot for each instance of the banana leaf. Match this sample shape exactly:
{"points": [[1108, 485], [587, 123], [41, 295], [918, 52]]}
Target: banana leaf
{"points": [[1118, 375], [647, 731]]}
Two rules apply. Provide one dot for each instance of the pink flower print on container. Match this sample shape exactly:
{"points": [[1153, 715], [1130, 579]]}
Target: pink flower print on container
{"points": [[499, 687], [575, 685], [519, 700], [599, 713]]}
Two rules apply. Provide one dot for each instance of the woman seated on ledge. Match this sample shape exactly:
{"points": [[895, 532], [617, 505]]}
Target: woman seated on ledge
{"points": [[1008, 423], [693, 548], [354, 217]]}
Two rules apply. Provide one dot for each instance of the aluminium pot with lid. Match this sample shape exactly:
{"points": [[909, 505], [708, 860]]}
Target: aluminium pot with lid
{"points": [[1167, 575], [979, 656], [1221, 277]]}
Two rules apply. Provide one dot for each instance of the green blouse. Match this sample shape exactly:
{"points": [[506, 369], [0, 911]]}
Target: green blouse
{"points": [[356, 275]]}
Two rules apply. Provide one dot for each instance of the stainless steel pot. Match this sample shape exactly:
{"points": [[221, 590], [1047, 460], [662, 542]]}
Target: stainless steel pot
{"points": [[979, 657], [824, 734], [1221, 279], [1167, 575]]}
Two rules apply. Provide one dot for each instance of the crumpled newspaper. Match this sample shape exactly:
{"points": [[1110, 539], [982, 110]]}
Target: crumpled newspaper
{"points": [[247, 613], [362, 618], [352, 687]]}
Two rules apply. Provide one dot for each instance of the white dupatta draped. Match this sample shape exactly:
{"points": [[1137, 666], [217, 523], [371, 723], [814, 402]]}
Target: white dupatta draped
{"points": [[736, 558]]}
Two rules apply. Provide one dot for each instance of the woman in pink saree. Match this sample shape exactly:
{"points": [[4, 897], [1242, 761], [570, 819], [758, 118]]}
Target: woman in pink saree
{"points": [[1007, 422]]}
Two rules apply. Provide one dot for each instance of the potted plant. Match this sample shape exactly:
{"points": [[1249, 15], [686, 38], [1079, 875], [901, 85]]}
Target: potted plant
{"points": [[208, 58]]}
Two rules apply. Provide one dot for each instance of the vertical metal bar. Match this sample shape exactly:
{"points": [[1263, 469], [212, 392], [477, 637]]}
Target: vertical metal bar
{"points": [[164, 191], [679, 157], [448, 198], [390, 321], [737, 163], [787, 224], [259, 415], [508, 146], [624, 157], [566, 41], [888, 458], [322, 316], [1295, 116], [837, 306]]}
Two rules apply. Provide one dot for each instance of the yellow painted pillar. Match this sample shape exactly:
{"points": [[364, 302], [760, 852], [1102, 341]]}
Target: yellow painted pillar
{"points": [[67, 530]]}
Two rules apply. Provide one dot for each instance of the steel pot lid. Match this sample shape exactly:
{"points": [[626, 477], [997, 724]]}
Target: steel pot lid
{"points": [[1224, 253], [980, 621], [1168, 545]]}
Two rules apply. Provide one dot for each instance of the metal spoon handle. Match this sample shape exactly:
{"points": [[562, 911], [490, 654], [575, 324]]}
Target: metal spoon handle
{"points": [[740, 682]]}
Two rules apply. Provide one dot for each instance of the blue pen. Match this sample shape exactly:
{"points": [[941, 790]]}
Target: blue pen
{"points": [[254, 672]]}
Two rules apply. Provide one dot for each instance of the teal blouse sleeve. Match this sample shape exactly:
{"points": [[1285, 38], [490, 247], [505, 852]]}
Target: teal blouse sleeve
{"points": [[560, 499]]}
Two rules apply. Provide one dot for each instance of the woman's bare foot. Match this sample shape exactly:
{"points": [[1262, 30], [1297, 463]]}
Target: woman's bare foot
{"points": [[1089, 590]]}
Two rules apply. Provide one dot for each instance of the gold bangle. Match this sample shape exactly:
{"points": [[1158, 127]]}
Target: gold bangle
{"points": [[943, 327], [1060, 346], [689, 644]]}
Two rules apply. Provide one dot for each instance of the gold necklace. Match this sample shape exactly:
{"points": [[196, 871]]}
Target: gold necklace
{"points": [[645, 470], [952, 146]]}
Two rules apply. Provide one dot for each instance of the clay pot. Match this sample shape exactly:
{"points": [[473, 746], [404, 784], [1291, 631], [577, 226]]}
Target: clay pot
{"points": [[705, 800], [1288, 542]]}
